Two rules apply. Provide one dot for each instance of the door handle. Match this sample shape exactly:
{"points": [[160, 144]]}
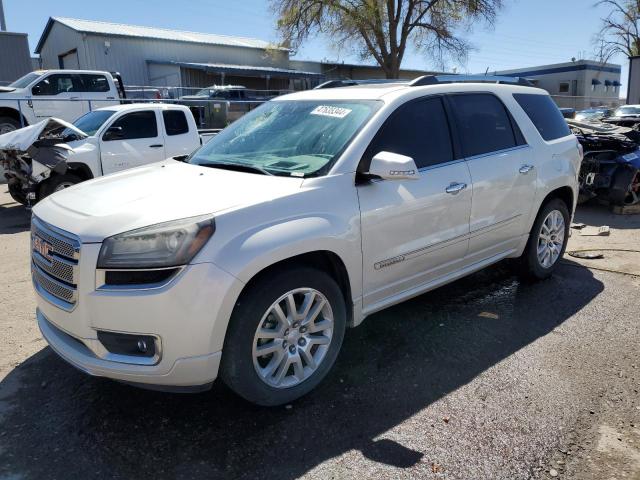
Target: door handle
{"points": [[524, 169], [455, 188], [157, 145], [74, 98]]}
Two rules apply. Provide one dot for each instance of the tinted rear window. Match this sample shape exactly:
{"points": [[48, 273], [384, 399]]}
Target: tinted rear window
{"points": [[544, 114], [175, 122], [484, 124]]}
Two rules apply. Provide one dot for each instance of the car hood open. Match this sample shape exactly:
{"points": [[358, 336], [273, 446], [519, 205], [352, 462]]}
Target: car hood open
{"points": [[156, 193]]}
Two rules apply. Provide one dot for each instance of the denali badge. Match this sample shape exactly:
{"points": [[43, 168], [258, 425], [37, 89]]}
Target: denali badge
{"points": [[42, 247]]}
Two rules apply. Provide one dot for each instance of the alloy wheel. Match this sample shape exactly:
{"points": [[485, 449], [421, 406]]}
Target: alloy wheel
{"points": [[292, 338], [551, 239], [63, 185]]}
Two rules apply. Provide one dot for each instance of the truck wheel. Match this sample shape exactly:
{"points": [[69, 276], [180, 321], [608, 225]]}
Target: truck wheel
{"points": [[284, 336], [547, 240], [55, 183], [8, 124]]}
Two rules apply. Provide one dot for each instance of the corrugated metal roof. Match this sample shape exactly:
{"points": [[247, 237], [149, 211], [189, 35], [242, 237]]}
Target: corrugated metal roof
{"points": [[120, 29], [243, 69]]}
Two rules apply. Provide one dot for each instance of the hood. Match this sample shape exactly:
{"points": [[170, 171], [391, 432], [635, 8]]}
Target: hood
{"points": [[7, 89], [23, 138], [156, 193]]}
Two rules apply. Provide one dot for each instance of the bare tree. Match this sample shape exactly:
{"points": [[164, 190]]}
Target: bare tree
{"points": [[619, 33], [384, 29]]}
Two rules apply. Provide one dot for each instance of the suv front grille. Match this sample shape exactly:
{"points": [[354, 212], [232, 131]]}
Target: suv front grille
{"points": [[54, 264]]}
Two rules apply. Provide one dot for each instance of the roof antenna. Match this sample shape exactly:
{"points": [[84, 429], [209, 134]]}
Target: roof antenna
{"points": [[486, 72]]}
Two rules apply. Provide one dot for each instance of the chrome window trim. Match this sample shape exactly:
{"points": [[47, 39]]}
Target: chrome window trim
{"points": [[498, 152]]}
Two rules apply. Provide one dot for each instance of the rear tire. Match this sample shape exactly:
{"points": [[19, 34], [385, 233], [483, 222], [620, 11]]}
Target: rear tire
{"points": [[8, 124], [56, 183], [547, 241], [301, 349]]}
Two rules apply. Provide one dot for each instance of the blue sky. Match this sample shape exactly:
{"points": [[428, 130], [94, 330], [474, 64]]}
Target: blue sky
{"points": [[527, 33]]}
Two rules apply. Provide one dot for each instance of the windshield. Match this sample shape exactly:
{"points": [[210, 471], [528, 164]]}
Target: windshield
{"points": [[25, 81], [293, 138], [91, 122], [628, 111]]}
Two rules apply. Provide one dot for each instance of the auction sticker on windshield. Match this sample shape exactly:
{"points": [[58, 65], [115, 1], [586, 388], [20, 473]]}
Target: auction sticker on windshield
{"points": [[328, 111]]}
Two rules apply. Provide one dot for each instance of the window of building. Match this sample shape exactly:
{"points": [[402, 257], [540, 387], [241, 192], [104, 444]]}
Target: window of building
{"points": [[175, 122], [484, 124], [137, 125], [564, 87], [544, 114], [418, 129]]}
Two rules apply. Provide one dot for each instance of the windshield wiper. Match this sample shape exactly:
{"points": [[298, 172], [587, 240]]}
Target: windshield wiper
{"points": [[236, 167]]}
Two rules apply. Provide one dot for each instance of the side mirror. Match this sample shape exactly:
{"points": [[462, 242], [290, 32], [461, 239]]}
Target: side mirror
{"points": [[391, 166], [113, 133], [36, 90]]}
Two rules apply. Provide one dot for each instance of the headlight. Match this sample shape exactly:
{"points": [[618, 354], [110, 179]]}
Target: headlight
{"points": [[168, 244]]}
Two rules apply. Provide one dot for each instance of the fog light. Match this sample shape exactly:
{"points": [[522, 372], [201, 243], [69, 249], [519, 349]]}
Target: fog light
{"points": [[128, 344]]}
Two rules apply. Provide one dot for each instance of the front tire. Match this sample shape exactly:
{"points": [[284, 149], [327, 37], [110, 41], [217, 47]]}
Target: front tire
{"points": [[55, 183], [547, 240], [8, 124], [284, 336]]}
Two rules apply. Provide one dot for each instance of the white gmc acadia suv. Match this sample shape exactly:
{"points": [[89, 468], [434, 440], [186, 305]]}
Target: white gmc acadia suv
{"points": [[308, 214]]}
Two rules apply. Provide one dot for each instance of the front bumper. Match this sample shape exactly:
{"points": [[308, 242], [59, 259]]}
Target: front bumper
{"points": [[192, 371], [188, 317]]}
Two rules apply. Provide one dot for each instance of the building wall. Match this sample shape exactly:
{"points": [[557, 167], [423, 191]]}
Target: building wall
{"points": [[577, 76], [15, 60], [129, 55], [337, 71], [61, 40]]}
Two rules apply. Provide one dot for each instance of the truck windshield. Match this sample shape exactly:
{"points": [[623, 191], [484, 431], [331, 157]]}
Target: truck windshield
{"points": [[91, 122], [290, 137], [25, 81]]}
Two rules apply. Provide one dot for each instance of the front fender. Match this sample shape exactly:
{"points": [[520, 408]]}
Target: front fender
{"points": [[258, 248]]}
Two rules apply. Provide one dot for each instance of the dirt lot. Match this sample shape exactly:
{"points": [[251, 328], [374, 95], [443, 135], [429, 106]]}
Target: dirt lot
{"points": [[488, 377]]}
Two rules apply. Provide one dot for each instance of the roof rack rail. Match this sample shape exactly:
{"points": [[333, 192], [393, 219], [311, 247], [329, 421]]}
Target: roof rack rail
{"points": [[440, 79], [349, 83]]}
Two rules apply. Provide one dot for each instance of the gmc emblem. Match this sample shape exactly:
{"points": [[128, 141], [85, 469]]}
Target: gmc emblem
{"points": [[42, 247]]}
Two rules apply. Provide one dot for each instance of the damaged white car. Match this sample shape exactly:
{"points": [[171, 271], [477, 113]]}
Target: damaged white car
{"points": [[52, 155]]}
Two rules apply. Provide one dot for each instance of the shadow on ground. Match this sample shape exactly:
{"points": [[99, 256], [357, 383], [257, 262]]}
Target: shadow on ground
{"points": [[63, 424], [14, 217]]}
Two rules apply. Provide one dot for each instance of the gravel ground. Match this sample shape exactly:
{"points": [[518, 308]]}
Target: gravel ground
{"points": [[488, 377]]}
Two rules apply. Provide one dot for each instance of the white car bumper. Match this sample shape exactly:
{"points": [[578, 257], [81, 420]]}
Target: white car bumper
{"points": [[188, 318]]}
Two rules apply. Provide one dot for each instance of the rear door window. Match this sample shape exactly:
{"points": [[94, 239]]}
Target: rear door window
{"points": [[137, 125], [175, 122], [95, 83], [418, 129], [544, 114], [483, 123]]}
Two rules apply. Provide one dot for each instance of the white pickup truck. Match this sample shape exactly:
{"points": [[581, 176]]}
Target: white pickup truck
{"points": [[53, 154], [64, 94]]}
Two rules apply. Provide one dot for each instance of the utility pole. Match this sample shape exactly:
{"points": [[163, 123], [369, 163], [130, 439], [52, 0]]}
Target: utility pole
{"points": [[3, 23]]}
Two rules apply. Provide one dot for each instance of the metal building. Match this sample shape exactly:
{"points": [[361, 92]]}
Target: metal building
{"points": [[580, 84], [162, 57], [15, 60]]}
